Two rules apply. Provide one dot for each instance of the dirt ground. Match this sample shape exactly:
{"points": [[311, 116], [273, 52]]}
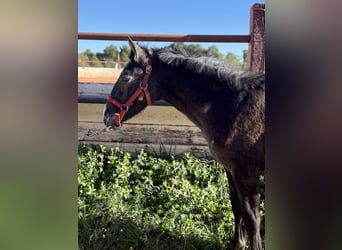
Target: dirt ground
{"points": [[98, 75]]}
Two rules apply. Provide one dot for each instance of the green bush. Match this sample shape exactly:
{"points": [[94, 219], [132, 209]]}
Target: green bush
{"points": [[146, 202]]}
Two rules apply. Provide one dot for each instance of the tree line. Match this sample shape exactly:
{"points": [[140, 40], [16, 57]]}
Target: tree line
{"points": [[111, 54]]}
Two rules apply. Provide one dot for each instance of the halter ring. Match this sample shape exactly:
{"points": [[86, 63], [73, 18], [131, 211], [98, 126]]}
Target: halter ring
{"points": [[124, 108], [142, 85]]}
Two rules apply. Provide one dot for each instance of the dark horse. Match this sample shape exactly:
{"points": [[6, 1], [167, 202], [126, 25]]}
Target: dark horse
{"points": [[228, 107]]}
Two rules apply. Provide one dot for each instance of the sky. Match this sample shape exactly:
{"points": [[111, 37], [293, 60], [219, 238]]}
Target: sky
{"points": [[214, 17]]}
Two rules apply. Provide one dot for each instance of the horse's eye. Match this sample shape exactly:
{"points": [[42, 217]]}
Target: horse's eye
{"points": [[126, 78], [138, 71]]}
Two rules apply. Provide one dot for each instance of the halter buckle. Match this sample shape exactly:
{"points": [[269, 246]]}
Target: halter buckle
{"points": [[148, 69]]}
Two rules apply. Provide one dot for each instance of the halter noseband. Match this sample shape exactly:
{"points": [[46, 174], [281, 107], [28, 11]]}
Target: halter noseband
{"points": [[140, 92]]}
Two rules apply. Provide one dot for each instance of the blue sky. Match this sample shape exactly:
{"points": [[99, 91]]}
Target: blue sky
{"points": [[215, 17]]}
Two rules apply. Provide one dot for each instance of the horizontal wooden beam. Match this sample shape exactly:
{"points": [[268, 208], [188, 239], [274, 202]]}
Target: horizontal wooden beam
{"points": [[164, 37], [102, 100], [98, 93], [143, 134], [155, 148]]}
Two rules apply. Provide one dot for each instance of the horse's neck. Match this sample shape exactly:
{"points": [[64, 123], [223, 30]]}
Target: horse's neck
{"points": [[192, 95]]}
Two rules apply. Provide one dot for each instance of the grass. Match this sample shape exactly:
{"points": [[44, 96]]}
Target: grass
{"points": [[140, 201]]}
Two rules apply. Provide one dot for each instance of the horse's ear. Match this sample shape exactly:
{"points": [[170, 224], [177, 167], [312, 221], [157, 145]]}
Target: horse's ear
{"points": [[139, 54]]}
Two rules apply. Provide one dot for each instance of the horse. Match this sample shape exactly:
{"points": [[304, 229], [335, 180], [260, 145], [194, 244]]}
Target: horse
{"points": [[228, 106]]}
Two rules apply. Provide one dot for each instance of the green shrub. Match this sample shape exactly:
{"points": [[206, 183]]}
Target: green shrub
{"points": [[146, 202]]}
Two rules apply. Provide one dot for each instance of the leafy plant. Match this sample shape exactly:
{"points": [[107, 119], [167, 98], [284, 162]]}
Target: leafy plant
{"points": [[148, 202]]}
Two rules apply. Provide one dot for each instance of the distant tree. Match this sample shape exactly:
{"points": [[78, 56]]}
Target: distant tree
{"points": [[244, 59], [83, 60], [234, 61], [88, 53], [245, 55], [102, 58], [196, 49], [93, 60], [111, 52], [180, 45], [88, 56], [214, 52], [106, 58], [124, 53], [110, 55]]}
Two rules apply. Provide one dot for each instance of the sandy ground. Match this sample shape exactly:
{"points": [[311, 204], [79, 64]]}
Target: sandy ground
{"points": [[157, 115], [98, 75]]}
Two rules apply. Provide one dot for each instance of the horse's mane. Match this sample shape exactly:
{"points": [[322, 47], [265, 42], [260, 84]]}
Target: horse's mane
{"points": [[177, 56]]}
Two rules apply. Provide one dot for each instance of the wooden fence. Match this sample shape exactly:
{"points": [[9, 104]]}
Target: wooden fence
{"points": [[178, 133]]}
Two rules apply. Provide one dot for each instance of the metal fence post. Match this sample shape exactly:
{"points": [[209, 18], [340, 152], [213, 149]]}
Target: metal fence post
{"points": [[256, 46]]}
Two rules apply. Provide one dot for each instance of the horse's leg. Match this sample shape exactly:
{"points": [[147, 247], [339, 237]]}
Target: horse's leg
{"points": [[240, 231], [247, 186]]}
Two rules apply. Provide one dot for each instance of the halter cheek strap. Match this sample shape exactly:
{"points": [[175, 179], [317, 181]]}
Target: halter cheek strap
{"points": [[139, 93]]}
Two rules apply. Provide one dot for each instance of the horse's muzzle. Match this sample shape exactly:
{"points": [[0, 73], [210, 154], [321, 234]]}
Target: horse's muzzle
{"points": [[112, 121]]}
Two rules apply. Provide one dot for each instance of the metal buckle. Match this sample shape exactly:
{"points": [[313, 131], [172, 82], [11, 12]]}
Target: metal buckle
{"points": [[124, 108], [143, 86], [148, 69]]}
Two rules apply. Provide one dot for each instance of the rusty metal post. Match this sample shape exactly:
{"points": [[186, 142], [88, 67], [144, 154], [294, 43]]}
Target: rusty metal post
{"points": [[256, 46]]}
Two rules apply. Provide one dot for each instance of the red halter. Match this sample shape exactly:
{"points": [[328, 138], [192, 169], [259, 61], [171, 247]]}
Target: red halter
{"points": [[140, 92]]}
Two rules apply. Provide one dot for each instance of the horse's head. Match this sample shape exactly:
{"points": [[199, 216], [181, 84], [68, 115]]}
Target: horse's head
{"points": [[132, 92]]}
